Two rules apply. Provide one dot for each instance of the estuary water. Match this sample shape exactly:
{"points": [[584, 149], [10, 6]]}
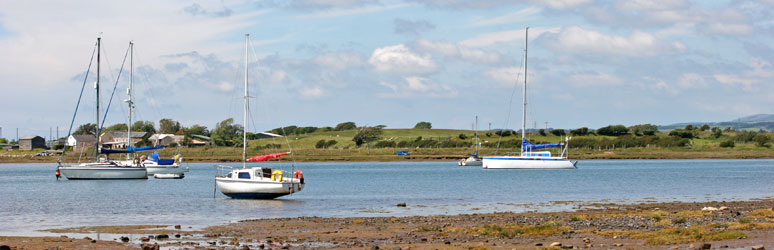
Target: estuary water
{"points": [[32, 199]]}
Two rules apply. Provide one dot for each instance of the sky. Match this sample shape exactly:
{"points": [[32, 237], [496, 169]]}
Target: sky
{"points": [[318, 63]]}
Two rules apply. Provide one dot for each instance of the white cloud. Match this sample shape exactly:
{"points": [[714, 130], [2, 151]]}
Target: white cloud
{"points": [[278, 76], [731, 79], [457, 51], [507, 36], [415, 86], [563, 4], [728, 28], [759, 70], [691, 80], [638, 44], [595, 79], [651, 4], [41, 39], [518, 16], [340, 60], [314, 92], [678, 29], [223, 86], [399, 59], [353, 11], [506, 76]]}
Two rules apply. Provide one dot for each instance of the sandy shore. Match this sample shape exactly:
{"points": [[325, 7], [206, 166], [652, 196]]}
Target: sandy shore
{"points": [[735, 225]]}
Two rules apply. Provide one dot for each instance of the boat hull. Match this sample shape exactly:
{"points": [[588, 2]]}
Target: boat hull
{"points": [[470, 161], [169, 176], [516, 162], [102, 172], [257, 189], [169, 169]]}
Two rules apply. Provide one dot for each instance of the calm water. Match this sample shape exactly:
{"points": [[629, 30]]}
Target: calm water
{"points": [[32, 199]]}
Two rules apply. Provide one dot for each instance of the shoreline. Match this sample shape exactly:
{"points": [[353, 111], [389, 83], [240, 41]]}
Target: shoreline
{"points": [[417, 158], [731, 224]]}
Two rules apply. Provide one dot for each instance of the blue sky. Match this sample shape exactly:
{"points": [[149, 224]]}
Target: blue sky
{"points": [[317, 63]]}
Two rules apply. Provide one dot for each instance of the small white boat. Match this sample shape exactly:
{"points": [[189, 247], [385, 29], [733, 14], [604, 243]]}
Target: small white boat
{"points": [[259, 183], [256, 182], [169, 176], [529, 159], [156, 165], [473, 160]]}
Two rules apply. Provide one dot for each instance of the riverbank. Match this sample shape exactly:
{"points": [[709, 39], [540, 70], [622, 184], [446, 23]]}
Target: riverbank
{"points": [[675, 225], [199, 155]]}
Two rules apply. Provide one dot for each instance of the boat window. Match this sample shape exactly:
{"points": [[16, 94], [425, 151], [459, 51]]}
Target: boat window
{"points": [[266, 172], [244, 175], [229, 175]]}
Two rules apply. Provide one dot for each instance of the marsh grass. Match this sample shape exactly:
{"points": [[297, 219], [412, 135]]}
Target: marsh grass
{"points": [[685, 235], [675, 235], [511, 230], [693, 214], [767, 214], [429, 229], [750, 225], [679, 220]]}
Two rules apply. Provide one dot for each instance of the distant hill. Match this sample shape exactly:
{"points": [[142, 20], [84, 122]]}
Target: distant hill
{"points": [[753, 122], [756, 118]]}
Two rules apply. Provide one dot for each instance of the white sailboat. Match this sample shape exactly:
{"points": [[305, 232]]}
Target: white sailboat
{"points": [[153, 164], [473, 159], [257, 182], [529, 159], [102, 168]]}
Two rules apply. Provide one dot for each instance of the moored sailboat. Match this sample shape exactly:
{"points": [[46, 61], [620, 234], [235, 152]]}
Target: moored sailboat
{"points": [[529, 159], [102, 168], [257, 182], [473, 159]]}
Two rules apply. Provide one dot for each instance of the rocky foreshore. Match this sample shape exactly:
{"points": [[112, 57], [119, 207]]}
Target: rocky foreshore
{"points": [[706, 225]]}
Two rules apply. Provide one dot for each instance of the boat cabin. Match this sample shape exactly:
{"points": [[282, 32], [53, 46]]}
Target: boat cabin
{"points": [[250, 173], [537, 154]]}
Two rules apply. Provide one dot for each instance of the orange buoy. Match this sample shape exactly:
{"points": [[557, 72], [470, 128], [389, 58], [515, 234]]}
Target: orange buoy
{"points": [[298, 174]]}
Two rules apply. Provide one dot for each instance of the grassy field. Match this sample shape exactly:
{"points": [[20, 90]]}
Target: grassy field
{"points": [[303, 147]]}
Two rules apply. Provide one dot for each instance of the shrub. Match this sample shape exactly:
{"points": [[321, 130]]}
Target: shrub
{"points": [[613, 130], [688, 134], [746, 136], [423, 125], [762, 140], [463, 136], [558, 132], [320, 144], [727, 144], [580, 132]]}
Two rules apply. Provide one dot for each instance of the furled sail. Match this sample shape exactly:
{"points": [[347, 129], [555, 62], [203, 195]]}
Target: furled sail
{"points": [[526, 146], [129, 150], [266, 157]]}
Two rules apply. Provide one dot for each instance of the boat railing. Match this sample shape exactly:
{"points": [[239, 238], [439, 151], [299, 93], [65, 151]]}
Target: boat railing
{"points": [[223, 170]]}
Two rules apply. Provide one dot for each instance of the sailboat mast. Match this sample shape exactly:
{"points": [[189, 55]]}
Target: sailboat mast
{"points": [[131, 102], [244, 121], [524, 97], [476, 134], [96, 86]]}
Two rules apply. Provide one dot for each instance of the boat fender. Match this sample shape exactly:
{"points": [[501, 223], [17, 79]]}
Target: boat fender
{"points": [[58, 175], [276, 175]]}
